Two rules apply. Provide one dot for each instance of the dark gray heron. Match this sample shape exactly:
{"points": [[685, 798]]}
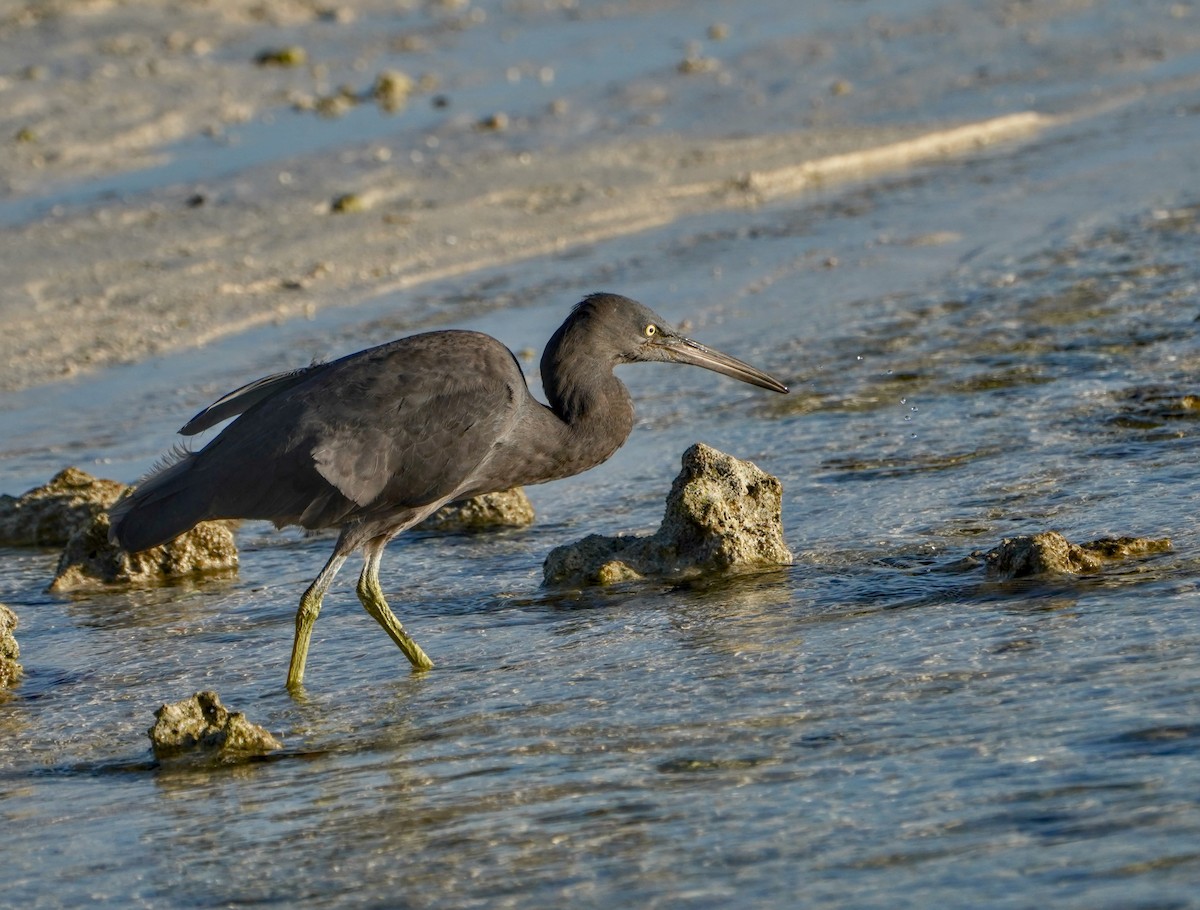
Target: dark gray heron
{"points": [[376, 441]]}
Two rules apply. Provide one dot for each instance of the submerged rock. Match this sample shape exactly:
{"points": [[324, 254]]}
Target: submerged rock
{"points": [[721, 513], [1049, 553], [201, 724], [48, 515], [1154, 407], [10, 652], [90, 561], [507, 509]]}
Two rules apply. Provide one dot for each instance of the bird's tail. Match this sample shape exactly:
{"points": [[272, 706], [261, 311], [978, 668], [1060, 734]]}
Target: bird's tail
{"points": [[166, 503]]}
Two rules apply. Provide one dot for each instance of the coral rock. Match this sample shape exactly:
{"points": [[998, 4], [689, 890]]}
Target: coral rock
{"points": [[202, 724], [90, 561], [508, 509], [10, 653], [721, 514], [48, 515], [1049, 553], [392, 89]]}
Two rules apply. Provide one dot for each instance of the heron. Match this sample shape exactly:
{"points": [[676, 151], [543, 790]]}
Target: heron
{"points": [[374, 442]]}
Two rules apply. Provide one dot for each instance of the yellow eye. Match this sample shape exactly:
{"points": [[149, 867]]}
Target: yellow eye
{"points": [[650, 331]]}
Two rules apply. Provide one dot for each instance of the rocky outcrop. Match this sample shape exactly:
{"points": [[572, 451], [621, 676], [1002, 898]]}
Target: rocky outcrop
{"points": [[490, 511], [202, 726], [91, 561], [721, 514], [10, 653], [48, 515], [1049, 553]]}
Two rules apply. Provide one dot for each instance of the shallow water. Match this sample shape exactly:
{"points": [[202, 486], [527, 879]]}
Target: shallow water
{"points": [[1003, 345]]}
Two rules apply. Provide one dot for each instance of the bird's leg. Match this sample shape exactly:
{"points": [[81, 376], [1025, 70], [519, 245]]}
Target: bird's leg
{"points": [[306, 616], [371, 595]]}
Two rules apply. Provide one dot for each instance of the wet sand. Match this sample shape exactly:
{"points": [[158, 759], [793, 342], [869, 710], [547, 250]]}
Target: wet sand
{"points": [[142, 279], [116, 264]]}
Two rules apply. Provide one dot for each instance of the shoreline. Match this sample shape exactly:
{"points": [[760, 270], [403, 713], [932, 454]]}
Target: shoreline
{"points": [[129, 280]]}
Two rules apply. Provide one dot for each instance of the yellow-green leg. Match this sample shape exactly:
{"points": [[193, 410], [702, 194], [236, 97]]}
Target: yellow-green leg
{"points": [[371, 595], [306, 617]]}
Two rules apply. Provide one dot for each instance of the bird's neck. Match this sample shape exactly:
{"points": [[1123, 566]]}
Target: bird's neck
{"points": [[593, 407]]}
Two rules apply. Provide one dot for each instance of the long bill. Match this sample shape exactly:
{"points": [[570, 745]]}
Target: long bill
{"points": [[684, 350]]}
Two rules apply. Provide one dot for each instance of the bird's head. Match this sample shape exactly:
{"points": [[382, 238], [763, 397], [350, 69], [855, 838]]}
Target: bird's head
{"points": [[627, 332]]}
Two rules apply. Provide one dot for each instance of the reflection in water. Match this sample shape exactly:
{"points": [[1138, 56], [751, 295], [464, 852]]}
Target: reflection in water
{"points": [[733, 617]]}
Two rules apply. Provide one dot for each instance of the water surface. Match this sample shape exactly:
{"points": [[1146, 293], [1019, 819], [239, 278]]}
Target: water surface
{"points": [[976, 350]]}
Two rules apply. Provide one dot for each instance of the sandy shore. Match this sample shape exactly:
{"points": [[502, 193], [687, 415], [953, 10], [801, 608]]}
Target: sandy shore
{"points": [[128, 280], [96, 89]]}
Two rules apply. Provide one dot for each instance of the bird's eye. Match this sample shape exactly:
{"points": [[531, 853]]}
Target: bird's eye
{"points": [[650, 331]]}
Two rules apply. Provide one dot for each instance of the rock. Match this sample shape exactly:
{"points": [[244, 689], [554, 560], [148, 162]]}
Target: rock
{"points": [[90, 561], [201, 724], [47, 516], [497, 122], [1049, 553], [292, 55], [10, 653], [392, 89], [72, 511], [337, 104], [508, 509], [721, 514], [599, 560], [348, 202], [693, 64], [1154, 407], [1112, 548]]}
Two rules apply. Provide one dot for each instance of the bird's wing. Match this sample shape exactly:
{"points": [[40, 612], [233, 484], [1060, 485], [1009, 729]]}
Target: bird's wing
{"points": [[411, 423], [372, 435], [239, 400]]}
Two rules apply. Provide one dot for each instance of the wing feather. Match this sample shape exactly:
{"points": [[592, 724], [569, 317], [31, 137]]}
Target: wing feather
{"points": [[242, 399], [390, 429], [416, 432]]}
